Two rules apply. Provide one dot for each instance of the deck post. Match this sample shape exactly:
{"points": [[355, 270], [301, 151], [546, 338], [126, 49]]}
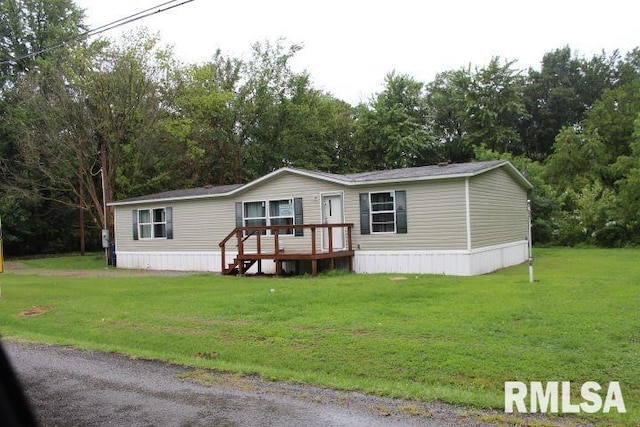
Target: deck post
{"points": [[330, 236], [240, 253], [314, 267], [313, 240], [259, 243], [223, 255], [332, 264]]}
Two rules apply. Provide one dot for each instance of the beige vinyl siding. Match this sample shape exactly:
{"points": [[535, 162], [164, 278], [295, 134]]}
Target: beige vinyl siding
{"points": [[436, 217], [290, 186], [199, 225], [498, 209]]}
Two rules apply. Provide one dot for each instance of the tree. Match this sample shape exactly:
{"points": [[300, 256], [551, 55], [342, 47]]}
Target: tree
{"points": [[472, 109], [206, 123], [92, 119], [27, 29], [282, 120], [317, 129], [578, 160], [612, 118], [446, 97], [560, 94], [394, 130], [266, 84], [495, 107]]}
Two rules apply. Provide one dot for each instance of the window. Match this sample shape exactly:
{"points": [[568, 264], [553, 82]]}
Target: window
{"points": [[271, 212], [281, 213], [383, 212], [255, 214], [152, 223], [159, 224]]}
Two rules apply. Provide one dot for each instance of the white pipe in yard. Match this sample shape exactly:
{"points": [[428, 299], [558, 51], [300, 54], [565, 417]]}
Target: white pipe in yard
{"points": [[530, 243]]}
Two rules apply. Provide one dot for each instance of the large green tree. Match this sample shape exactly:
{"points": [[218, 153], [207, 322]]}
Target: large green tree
{"points": [[478, 108], [34, 29], [31, 31], [282, 119], [560, 94], [88, 125], [205, 124], [394, 130]]}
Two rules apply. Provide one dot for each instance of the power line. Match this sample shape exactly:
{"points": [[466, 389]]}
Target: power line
{"points": [[103, 28]]}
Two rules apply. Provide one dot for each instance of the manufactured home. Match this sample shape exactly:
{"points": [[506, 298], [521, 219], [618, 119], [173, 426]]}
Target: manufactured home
{"points": [[457, 219]]}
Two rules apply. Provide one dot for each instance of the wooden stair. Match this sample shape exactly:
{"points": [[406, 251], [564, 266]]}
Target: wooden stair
{"points": [[234, 267]]}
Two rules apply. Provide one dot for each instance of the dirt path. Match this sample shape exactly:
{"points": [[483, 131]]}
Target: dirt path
{"points": [[17, 267]]}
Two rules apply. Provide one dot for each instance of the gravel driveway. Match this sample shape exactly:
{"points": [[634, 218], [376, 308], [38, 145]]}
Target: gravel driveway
{"points": [[70, 387]]}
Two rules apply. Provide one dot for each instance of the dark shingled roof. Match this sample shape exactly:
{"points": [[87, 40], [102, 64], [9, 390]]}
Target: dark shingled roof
{"points": [[422, 172], [185, 193]]}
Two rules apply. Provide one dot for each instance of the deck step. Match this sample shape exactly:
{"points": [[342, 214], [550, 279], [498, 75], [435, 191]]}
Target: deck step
{"points": [[233, 268]]}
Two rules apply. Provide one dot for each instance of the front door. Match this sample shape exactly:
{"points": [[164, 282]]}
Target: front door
{"points": [[332, 214]]}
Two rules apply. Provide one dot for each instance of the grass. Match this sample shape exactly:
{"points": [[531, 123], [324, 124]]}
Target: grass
{"points": [[90, 261], [421, 337]]}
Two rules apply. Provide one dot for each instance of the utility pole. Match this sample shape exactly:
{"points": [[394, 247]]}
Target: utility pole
{"points": [[81, 210], [105, 182]]}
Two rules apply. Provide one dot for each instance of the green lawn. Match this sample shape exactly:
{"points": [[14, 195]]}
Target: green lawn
{"points": [[421, 337]]}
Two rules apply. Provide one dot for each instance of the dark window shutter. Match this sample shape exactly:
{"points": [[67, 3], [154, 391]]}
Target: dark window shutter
{"points": [[168, 216], [238, 214], [297, 216], [135, 224], [401, 212], [364, 214]]}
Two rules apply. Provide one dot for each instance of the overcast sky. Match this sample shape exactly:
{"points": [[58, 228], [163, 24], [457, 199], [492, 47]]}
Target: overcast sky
{"points": [[349, 46]]}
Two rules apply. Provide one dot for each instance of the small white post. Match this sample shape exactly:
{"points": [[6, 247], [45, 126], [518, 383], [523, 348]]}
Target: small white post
{"points": [[530, 243]]}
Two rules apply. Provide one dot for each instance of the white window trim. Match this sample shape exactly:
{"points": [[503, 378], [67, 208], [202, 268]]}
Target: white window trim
{"points": [[371, 213], [292, 216], [152, 224], [245, 218], [267, 209]]}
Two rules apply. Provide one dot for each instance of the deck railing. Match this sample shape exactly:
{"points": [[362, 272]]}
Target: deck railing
{"points": [[274, 232]]}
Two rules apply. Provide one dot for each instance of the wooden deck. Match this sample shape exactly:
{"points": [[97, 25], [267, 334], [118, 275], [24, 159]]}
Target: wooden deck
{"points": [[257, 253]]}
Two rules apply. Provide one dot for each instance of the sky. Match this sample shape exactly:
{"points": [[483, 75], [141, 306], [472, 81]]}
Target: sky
{"points": [[349, 46]]}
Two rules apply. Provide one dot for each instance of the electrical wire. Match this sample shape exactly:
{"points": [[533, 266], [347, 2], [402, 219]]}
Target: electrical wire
{"points": [[103, 28]]}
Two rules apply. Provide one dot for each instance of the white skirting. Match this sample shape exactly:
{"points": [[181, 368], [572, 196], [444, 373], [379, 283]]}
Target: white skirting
{"points": [[208, 261], [452, 262], [456, 263], [176, 261]]}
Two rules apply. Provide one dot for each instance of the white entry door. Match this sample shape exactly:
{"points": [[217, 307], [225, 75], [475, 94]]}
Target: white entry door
{"points": [[332, 214]]}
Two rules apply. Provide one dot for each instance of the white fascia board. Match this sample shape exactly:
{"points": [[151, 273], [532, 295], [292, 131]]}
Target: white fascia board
{"points": [[169, 199], [514, 172]]}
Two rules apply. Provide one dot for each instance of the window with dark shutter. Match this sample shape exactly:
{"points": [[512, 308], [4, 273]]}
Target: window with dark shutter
{"points": [[135, 224], [365, 227], [298, 217], [401, 212], [169, 222]]}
